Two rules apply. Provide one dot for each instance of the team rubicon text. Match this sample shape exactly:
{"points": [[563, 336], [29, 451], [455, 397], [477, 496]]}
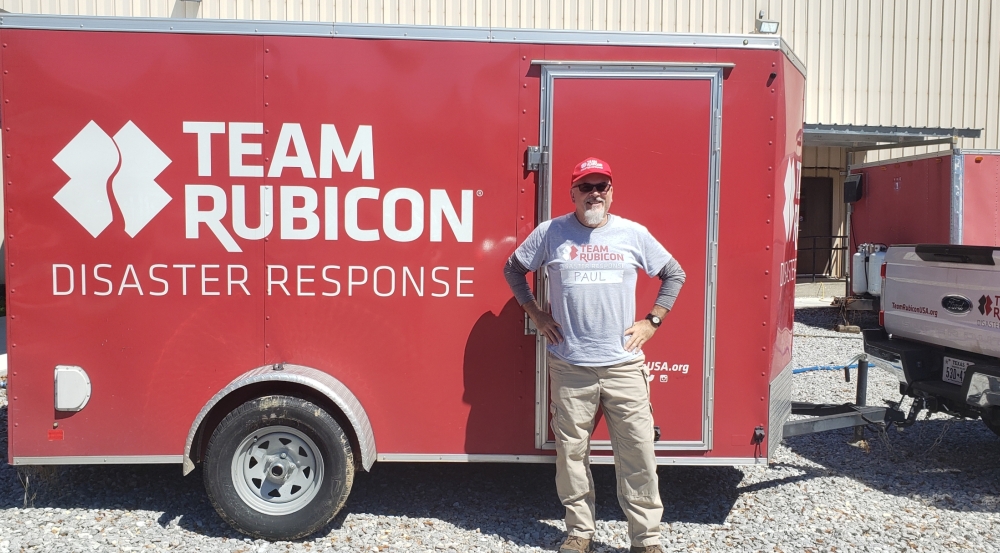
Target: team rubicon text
{"points": [[131, 163]]}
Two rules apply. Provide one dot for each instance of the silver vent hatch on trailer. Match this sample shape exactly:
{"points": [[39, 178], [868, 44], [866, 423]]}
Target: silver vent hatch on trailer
{"points": [[72, 388]]}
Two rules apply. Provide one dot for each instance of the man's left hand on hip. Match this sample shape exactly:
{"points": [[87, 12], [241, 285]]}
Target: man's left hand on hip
{"points": [[639, 333]]}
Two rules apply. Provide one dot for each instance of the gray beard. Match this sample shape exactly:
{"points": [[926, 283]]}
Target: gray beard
{"points": [[595, 215]]}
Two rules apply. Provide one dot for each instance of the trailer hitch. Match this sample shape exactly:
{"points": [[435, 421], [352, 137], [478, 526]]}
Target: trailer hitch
{"points": [[918, 405]]}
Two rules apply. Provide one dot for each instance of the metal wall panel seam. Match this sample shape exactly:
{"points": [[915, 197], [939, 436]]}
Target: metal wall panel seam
{"points": [[954, 107], [850, 62], [838, 35], [923, 55], [934, 63], [873, 79], [982, 72], [802, 24], [812, 60], [722, 16], [885, 88], [967, 114], [897, 106], [863, 67], [910, 45]]}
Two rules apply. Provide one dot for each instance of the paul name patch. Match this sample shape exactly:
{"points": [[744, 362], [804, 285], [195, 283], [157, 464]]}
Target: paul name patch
{"points": [[592, 276]]}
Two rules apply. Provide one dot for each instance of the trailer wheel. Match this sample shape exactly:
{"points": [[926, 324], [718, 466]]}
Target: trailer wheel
{"points": [[278, 468]]}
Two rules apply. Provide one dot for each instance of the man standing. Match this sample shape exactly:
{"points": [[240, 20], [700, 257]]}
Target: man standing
{"points": [[592, 259]]}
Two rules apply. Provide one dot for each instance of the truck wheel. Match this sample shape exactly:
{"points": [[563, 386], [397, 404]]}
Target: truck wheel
{"points": [[995, 428], [278, 468]]}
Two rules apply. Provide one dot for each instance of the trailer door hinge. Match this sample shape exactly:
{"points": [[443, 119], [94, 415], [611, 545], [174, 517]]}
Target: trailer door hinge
{"points": [[529, 326], [537, 157]]}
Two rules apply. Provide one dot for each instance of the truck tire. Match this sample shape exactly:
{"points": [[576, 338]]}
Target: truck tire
{"points": [[278, 468], [995, 428]]}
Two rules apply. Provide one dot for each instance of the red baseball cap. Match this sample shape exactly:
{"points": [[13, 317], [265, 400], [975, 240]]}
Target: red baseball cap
{"points": [[590, 166]]}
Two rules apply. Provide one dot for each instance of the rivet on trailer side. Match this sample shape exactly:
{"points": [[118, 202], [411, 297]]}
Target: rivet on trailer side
{"points": [[274, 249]]}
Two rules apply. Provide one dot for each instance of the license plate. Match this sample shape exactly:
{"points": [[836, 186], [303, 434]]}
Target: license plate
{"points": [[954, 370]]}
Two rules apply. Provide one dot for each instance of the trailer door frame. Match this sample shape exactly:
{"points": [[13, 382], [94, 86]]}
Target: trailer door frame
{"points": [[550, 72]]}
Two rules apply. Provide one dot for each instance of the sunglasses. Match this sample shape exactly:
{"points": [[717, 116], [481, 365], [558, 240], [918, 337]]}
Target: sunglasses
{"points": [[586, 188]]}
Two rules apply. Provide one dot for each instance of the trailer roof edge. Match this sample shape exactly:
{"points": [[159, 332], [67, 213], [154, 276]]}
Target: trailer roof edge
{"points": [[391, 31]]}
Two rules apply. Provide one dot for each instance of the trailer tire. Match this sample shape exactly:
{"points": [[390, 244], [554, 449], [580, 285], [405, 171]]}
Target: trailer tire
{"points": [[278, 468]]}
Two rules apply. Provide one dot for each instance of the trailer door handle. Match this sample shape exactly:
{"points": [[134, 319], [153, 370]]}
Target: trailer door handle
{"points": [[537, 157]]}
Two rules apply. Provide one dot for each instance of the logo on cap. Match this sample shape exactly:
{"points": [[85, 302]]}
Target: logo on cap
{"points": [[591, 164], [91, 158]]}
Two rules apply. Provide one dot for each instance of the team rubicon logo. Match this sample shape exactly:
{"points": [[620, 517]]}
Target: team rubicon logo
{"points": [[130, 160], [129, 164], [988, 306], [591, 164], [587, 253], [791, 207]]}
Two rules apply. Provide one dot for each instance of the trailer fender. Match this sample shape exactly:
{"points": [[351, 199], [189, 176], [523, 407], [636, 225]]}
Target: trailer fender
{"points": [[315, 379]]}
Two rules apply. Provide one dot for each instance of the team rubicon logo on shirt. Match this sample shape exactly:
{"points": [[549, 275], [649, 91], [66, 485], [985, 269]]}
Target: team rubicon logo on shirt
{"points": [[587, 253]]}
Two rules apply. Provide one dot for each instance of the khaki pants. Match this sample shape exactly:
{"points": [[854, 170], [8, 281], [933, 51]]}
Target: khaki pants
{"points": [[623, 392]]}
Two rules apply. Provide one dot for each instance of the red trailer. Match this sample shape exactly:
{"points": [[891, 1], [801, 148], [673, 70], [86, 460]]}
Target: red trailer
{"points": [[276, 248], [941, 198]]}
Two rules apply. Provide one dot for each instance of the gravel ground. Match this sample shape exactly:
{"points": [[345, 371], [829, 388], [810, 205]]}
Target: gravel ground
{"points": [[934, 487]]}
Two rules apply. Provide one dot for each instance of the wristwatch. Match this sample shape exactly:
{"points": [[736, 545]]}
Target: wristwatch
{"points": [[654, 320]]}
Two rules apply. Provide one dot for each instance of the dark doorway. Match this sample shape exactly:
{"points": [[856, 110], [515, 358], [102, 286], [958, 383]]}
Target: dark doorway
{"points": [[815, 226]]}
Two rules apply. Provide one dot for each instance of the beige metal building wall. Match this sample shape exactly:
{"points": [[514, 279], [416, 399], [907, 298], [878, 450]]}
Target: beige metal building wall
{"points": [[933, 63], [871, 62]]}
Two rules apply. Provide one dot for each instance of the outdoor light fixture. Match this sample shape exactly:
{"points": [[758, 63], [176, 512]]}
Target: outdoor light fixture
{"points": [[764, 26]]}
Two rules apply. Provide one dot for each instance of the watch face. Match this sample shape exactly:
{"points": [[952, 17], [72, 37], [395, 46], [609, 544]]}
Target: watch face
{"points": [[654, 319]]}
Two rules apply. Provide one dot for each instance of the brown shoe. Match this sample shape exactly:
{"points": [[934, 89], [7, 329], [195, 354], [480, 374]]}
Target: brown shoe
{"points": [[645, 549], [575, 544]]}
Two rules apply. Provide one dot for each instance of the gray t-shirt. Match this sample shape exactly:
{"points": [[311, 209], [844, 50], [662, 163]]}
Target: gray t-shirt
{"points": [[592, 275]]}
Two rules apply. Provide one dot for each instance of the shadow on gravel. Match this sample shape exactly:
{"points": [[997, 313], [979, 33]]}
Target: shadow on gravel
{"points": [[826, 317], [952, 465], [513, 501]]}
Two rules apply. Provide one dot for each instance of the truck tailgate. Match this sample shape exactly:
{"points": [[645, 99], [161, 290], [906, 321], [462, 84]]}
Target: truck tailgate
{"points": [[944, 295]]}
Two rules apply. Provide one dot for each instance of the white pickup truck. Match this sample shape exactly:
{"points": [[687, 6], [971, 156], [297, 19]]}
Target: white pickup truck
{"points": [[940, 328]]}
